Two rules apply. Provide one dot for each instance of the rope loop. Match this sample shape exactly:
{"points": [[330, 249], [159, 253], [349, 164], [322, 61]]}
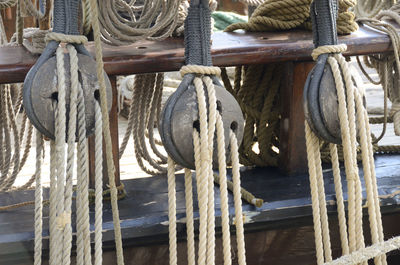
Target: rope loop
{"points": [[76, 39], [328, 49], [200, 69]]}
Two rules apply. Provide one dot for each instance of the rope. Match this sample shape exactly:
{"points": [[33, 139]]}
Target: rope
{"points": [[124, 22], [288, 14], [351, 112], [173, 259], [367, 253], [210, 122], [106, 132], [38, 201], [98, 223], [387, 65], [189, 217]]}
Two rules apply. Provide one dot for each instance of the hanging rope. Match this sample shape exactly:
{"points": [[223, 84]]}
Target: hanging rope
{"points": [[387, 65], [352, 115], [106, 132], [210, 121], [143, 117]]}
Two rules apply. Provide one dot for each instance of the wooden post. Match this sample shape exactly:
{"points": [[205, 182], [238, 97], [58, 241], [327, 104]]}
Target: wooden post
{"points": [[44, 23], [114, 139], [293, 155]]}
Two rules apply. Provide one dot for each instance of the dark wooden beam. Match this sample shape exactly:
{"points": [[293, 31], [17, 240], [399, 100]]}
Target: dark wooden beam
{"points": [[228, 49], [292, 145], [113, 116]]}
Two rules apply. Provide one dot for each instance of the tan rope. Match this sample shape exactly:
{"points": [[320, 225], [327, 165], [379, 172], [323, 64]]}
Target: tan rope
{"points": [[153, 20], [38, 200], [106, 132], [189, 217], [350, 100], [173, 258]]}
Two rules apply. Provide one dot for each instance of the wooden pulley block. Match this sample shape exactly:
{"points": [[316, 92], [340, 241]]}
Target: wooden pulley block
{"points": [[180, 116], [40, 92], [41, 96]]}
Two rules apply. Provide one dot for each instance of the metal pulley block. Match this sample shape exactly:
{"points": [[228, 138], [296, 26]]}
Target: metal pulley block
{"points": [[319, 96], [40, 92], [180, 116]]}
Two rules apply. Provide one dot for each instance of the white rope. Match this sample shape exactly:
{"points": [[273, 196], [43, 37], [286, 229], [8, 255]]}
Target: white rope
{"points": [[173, 259], [52, 206], [98, 222], [189, 217], [38, 200], [210, 121], [238, 199], [226, 239], [153, 20], [60, 127], [351, 112]]}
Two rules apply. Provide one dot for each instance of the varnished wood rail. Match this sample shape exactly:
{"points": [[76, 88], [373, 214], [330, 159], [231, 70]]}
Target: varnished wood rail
{"points": [[228, 49]]}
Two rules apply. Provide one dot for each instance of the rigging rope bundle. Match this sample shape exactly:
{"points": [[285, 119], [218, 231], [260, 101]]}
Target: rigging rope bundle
{"points": [[352, 115], [62, 172], [144, 113], [210, 123]]}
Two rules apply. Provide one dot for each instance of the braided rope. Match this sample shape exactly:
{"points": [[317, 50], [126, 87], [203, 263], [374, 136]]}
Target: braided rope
{"points": [[173, 259], [153, 20], [98, 222], [60, 128], [350, 100], [38, 201], [106, 132], [226, 240], [77, 39], [189, 217]]}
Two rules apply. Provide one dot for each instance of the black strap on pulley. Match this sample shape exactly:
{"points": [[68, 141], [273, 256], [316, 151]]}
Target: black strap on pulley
{"points": [[319, 96]]}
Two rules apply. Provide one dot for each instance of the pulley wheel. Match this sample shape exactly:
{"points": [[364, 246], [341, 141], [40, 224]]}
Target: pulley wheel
{"points": [[40, 97], [180, 116]]}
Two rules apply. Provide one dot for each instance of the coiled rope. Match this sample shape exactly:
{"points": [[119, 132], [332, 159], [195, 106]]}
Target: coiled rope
{"points": [[210, 121], [124, 22]]}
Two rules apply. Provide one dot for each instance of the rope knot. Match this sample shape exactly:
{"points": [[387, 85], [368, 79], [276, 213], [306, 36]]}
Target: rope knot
{"points": [[76, 39], [63, 219], [199, 69], [328, 49]]}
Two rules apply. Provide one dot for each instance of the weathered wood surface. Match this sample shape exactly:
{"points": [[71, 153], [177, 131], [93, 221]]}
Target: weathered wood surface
{"points": [[228, 49], [292, 149], [144, 217]]}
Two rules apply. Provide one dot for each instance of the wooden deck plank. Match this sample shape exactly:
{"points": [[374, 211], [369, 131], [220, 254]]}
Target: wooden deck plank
{"points": [[228, 49]]}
